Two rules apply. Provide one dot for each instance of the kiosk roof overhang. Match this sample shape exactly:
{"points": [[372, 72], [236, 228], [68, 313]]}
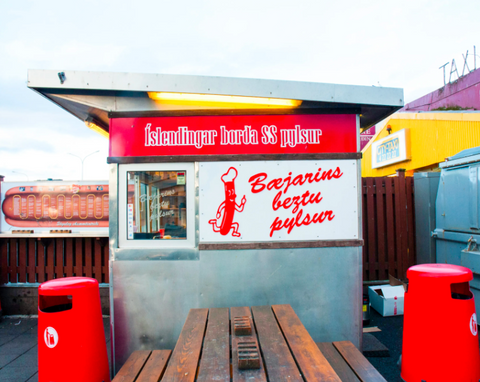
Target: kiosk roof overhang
{"points": [[98, 96]]}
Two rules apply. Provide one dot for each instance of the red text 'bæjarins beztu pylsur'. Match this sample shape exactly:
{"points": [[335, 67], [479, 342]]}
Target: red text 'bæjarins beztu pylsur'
{"points": [[259, 182]]}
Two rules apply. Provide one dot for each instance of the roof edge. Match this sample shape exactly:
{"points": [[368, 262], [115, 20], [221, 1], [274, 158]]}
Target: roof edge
{"points": [[138, 82]]}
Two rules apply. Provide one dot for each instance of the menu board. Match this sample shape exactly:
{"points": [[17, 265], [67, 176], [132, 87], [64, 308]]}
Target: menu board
{"points": [[44, 206]]}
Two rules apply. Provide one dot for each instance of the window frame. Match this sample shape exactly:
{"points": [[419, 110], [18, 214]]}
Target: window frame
{"points": [[189, 242]]}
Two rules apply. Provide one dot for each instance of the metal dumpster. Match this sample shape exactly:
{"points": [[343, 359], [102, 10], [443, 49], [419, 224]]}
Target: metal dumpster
{"points": [[457, 231]]}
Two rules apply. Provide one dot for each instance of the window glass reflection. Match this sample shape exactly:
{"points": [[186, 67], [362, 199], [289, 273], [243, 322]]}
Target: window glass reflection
{"points": [[156, 205]]}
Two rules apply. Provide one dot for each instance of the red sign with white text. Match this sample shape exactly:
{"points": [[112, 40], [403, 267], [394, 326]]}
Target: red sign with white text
{"points": [[230, 135]]}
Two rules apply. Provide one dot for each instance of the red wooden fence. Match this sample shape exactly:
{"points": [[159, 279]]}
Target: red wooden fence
{"points": [[388, 227], [35, 260]]}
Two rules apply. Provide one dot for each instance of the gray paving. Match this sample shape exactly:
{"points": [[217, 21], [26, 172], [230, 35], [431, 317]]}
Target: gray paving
{"points": [[18, 348]]}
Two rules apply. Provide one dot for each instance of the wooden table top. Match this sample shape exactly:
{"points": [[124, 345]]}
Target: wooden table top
{"points": [[279, 348]]}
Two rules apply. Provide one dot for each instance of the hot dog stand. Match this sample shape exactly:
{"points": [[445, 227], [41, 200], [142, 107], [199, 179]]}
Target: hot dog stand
{"points": [[227, 192]]}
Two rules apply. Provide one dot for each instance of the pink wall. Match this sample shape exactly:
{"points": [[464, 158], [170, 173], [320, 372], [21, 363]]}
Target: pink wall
{"points": [[463, 94]]}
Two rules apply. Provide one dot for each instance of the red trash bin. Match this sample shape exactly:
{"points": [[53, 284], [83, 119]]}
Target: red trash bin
{"points": [[71, 339], [440, 336]]}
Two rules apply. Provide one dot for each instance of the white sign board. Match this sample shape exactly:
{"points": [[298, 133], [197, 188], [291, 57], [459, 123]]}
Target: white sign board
{"points": [[265, 201], [392, 149]]}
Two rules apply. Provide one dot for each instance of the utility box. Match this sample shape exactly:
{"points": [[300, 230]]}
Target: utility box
{"points": [[457, 231]]}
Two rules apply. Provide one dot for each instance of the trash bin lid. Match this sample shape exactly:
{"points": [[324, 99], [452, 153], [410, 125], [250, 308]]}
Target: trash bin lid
{"points": [[67, 284], [440, 271]]}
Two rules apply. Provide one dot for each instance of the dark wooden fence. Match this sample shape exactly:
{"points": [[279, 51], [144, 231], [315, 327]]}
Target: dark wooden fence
{"points": [[35, 260], [388, 227]]}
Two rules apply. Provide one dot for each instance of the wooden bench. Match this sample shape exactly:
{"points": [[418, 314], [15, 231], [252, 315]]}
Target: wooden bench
{"points": [[151, 364], [348, 362], [209, 350]]}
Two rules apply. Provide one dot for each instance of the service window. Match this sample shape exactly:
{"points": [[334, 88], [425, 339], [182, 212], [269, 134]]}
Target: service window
{"points": [[157, 205]]}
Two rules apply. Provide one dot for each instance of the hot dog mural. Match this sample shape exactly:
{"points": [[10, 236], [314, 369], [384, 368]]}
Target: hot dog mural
{"points": [[57, 205]]}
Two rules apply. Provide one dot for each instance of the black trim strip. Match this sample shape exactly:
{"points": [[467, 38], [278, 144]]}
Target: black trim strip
{"points": [[279, 245], [203, 112]]}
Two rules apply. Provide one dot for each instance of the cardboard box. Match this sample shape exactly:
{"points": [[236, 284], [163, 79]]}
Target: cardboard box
{"points": [[387, 299]]}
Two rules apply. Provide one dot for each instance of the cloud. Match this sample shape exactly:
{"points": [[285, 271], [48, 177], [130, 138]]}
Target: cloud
{"points": [[23, 144], [350, 42], [38, 144], [21, 54], [68, 52], [41, 164]]}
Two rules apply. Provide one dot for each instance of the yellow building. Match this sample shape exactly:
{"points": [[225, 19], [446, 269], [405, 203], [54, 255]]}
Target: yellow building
{"points": [[419, 141]]}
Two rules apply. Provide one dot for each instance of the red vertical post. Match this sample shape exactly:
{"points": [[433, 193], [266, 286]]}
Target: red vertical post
{"points": [[398, 231], [98, 260], [50, 268], [12, 261], [41, 261], [105, 257], [412, 258], [364, 229], [32, 259], [401, 212], [22, 261], [389, 204], [88, 257], [382, 258], [59, 250], [105, 267], [68, 270], [79, 257], [371, 227], [3, 261]]}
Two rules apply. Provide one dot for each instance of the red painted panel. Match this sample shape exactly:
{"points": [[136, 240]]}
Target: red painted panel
{"points": [[233, 135]]}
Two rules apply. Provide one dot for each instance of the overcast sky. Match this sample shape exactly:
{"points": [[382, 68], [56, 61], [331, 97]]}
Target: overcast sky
{"points": [[381, 43]]}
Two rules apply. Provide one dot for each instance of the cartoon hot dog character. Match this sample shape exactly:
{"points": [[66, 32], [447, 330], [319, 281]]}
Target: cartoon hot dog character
{"points": [[227, 208], [53, 205]]}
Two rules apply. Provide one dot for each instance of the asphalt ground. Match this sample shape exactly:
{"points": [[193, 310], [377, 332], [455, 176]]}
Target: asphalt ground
{"points": [[391, 336], [19, 350]]}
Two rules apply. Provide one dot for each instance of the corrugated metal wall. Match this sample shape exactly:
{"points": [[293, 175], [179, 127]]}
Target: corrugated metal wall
{"points": [[434, 137]]}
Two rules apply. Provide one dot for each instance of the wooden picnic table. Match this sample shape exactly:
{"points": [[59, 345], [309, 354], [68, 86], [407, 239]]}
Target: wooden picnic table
{"points": [[213, 345]]}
